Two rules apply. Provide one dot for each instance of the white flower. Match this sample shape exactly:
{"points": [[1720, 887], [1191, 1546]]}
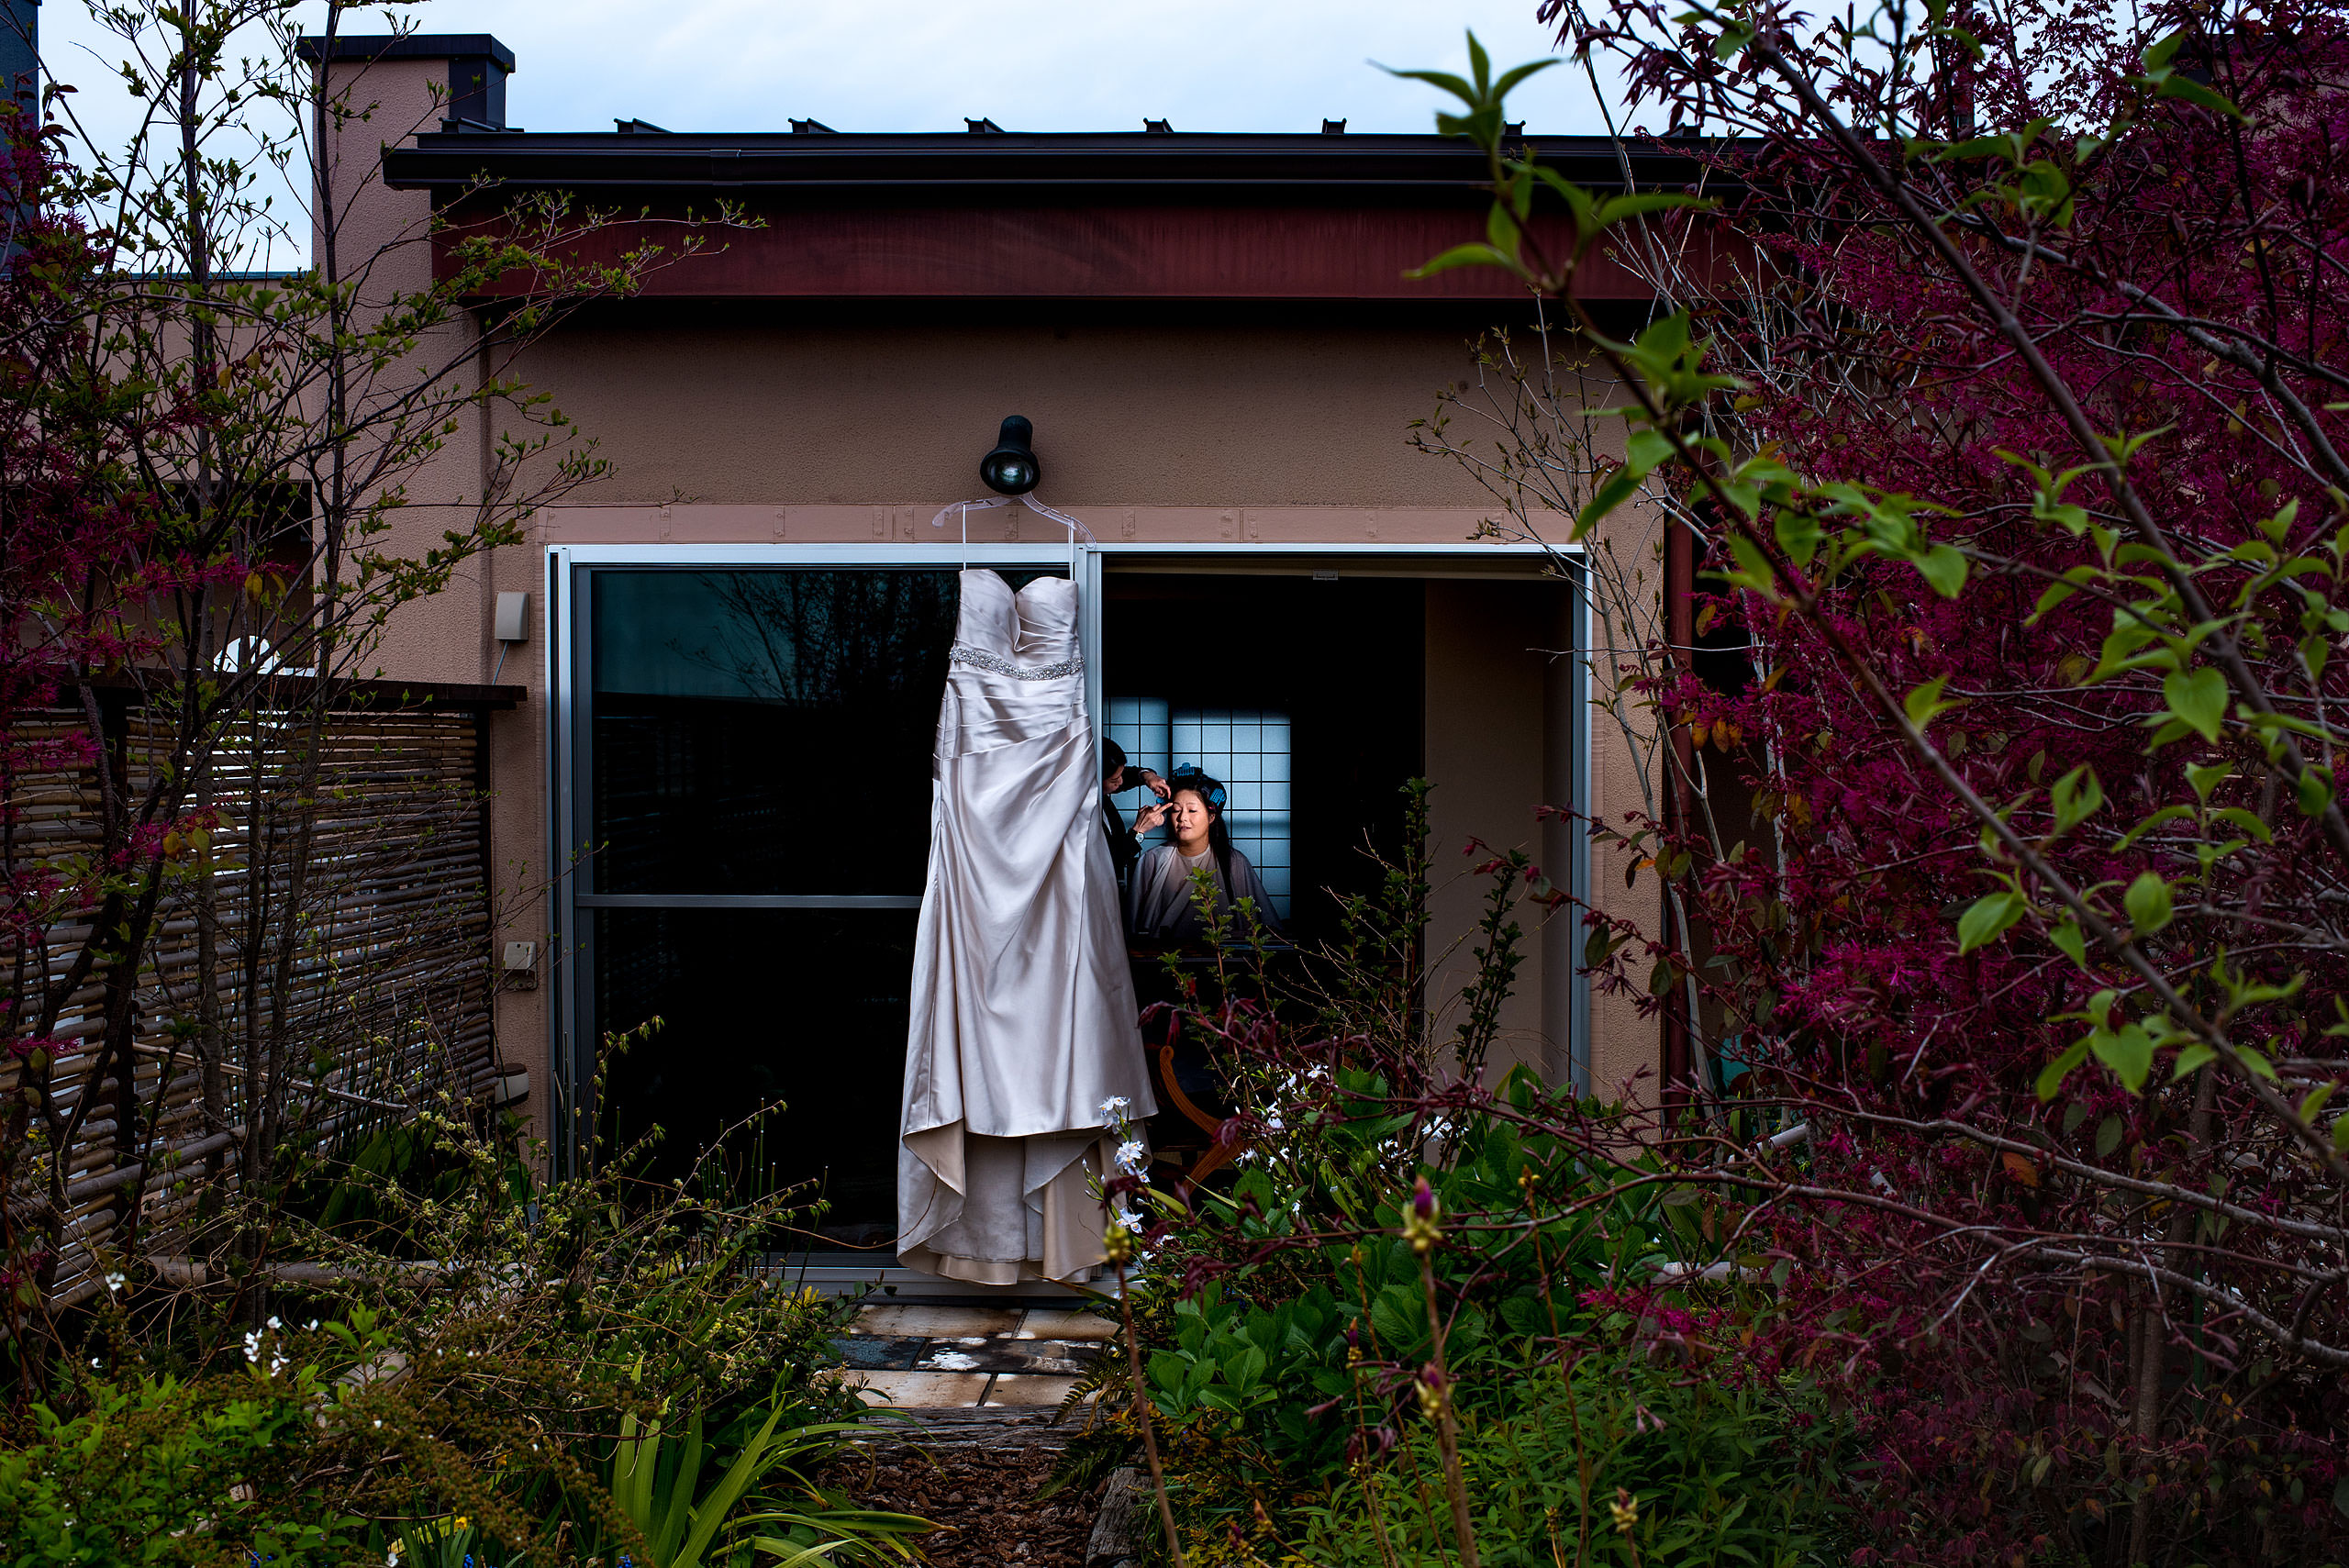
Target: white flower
{"points": [[253, 1345], [1130, 1221], [275, 1324], [1129, 1155], [116, 1279], [392, 1558], [1114, 1107]]}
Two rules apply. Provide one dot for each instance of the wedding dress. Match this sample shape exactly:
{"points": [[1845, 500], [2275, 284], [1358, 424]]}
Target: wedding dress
{"points": [[1024, 1020]]}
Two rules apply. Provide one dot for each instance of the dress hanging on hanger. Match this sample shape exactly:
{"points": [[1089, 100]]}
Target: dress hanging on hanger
{"points": [[1024, 1016]]}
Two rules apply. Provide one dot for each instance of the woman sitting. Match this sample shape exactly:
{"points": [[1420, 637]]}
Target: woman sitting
{"points": [[1162, 906]]}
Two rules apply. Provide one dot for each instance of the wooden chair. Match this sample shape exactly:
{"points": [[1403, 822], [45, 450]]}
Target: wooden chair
{"points": [[1202, 1137]]}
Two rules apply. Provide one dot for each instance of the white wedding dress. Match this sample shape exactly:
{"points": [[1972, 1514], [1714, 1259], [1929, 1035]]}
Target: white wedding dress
{"points": [[1024, 1020]]}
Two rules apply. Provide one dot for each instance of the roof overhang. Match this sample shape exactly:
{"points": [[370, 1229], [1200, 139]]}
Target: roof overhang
{"points": [[931, 169], [1124, 215]]}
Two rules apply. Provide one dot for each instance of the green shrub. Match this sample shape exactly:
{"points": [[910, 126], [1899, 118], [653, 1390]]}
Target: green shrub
{"points": [[165, 1471], [1622, 1463], [456, 1360], [1289, 1382], [743, 1493]]}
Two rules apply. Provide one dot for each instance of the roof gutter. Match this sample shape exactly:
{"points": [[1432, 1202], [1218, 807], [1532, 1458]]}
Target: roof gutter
{"points": [[1138, 168]]}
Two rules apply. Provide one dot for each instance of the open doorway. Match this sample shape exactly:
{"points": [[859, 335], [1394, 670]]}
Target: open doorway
{"points": [[1313, 690], [1301, 695]]}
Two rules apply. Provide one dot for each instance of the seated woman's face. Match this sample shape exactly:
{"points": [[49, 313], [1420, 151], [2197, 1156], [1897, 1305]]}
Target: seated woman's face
{"points": [[1189, 816]]}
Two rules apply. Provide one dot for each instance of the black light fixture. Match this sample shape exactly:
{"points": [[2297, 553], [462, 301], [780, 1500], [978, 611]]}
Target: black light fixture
{"points": [[1012, 469]]}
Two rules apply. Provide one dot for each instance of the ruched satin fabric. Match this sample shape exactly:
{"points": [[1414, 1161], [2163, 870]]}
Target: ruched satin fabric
{"points": [[1024, 1020]]}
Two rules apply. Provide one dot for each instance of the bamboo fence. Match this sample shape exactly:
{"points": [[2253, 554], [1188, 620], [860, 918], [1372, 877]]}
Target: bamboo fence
{"points": [[389, 997]]}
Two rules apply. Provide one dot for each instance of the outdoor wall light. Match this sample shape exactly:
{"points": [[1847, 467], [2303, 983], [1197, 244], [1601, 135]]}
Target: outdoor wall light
{"points": [[1012, 469]]}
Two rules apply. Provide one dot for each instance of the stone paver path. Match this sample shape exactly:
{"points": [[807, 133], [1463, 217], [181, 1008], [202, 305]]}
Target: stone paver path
{"points": [[918, 1357]]}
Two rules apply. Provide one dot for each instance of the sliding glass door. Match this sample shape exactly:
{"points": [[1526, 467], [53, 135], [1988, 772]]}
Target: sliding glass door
{"points": [[749, 772]]}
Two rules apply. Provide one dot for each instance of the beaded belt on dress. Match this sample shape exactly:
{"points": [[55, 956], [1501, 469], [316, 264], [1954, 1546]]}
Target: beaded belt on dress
{"points": [[980, 658]]}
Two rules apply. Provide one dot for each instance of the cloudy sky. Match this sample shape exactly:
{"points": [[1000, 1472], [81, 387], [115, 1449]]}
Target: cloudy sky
{"points": [[902, 65]]}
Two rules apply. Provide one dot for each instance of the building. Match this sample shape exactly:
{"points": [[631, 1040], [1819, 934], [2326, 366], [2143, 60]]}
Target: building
{"points": [[711, 804]]}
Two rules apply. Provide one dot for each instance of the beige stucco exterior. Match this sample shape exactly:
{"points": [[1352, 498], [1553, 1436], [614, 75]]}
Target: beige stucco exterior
{"points": [[1249, 429]]}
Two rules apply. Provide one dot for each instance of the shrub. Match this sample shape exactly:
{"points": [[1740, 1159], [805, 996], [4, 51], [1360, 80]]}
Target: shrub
{"points": [[160, 1471], [1428, 1313], [1616, 1461], [477, 1353]]}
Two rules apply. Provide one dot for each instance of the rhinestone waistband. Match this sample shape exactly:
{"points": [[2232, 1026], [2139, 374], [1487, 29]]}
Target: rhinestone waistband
{"points": [[980, 658]]}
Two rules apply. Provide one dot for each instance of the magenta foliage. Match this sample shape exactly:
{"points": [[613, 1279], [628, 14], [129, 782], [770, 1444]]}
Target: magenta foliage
{"points": [[2054, 1351], [87, 557]]}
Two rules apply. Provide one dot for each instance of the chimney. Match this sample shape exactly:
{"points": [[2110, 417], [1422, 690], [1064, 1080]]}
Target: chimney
{"points": [[478, 67]]}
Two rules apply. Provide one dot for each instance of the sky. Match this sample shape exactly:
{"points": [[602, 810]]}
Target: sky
{"points": [[888, 65]]}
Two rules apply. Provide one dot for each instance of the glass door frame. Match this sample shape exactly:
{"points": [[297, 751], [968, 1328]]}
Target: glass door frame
{"points": [[565, 619]]}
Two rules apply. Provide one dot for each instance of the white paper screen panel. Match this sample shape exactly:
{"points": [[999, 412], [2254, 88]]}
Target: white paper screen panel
{"points": [[1247, 749]]}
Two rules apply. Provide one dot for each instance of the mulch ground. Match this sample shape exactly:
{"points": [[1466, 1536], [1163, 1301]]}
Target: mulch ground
{"points": [[986, 1496]]}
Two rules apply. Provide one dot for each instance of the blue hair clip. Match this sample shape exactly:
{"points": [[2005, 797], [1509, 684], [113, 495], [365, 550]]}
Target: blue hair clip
{"points": [[1215, 796], [1192, 770]]}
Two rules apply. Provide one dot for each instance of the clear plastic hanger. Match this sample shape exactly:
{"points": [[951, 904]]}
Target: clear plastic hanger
{"points": [[961, 510]]}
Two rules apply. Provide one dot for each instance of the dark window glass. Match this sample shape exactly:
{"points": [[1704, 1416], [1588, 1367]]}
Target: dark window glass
{"points": [[766, 731], [806, 1007]]}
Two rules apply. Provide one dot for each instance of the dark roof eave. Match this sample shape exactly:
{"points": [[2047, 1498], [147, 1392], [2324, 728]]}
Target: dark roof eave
{"points": [[1133, 167], [369, 50]]}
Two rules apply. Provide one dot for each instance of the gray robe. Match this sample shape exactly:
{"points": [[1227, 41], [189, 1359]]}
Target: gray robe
{"points": [[1159, 905]]}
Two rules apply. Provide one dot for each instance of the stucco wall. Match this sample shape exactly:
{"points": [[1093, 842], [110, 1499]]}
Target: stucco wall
{"points": [[1622, 770], [381, 242], [865, 407], [1488, 724]]}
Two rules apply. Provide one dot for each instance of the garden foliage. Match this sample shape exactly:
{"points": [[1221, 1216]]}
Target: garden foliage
{"points": [[1432, 1318], [589, 1367], [158, 1469]]}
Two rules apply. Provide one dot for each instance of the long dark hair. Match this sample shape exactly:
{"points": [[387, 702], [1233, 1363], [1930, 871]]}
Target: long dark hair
{"points": [[1212, 793]]}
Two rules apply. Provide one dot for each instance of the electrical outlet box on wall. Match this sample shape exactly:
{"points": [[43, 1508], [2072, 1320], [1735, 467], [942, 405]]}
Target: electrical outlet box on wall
{"points": [[512, 620]]}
